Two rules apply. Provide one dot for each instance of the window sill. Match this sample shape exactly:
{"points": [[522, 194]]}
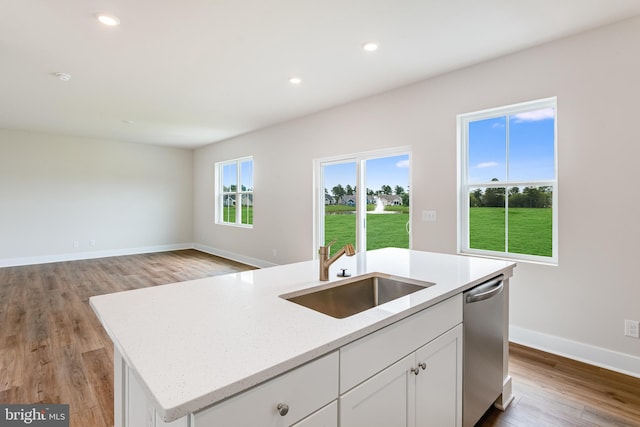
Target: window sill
{"points": [[231, 224], [550, 262]]}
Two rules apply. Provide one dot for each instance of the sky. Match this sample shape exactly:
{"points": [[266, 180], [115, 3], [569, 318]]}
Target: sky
{"points": [[528, 155], [530, 148], [230, 177], [390, 171]]}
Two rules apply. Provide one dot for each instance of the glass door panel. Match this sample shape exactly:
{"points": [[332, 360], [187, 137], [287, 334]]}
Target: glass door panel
{"points": [[340, 204], [387, 184]]}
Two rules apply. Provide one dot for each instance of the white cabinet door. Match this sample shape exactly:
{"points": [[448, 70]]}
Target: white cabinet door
{"points": [[325, 417], [439, 383], [367, 356], [382, 400]]}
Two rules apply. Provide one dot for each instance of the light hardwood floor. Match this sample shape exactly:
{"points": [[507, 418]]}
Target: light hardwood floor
{"points": [[554, 391], [53, 349]]}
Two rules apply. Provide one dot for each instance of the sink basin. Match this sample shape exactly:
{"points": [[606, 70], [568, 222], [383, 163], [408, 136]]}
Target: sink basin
{"points": [[352, 296]]}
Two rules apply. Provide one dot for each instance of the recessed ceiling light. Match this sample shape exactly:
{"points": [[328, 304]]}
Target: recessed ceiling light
{"points": [[108, 20], [295, 80], [370, 46], [63, 76]]}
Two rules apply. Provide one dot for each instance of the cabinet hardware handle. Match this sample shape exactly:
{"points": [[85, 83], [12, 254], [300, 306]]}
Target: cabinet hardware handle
{"points": [[423, 365], [283, 409], [415, 371]]}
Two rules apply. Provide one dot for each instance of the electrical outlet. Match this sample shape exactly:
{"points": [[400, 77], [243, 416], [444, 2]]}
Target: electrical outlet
{"points": [[92, 242], [76, 244], [429, 215], [632, 328]]}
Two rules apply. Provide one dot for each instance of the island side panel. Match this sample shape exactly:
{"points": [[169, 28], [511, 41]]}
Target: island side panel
{"points": [[506, 397], [131, 406], [119, 387]]}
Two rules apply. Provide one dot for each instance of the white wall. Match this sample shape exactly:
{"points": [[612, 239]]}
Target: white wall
{"points": [[576, 308], [55, 190]]}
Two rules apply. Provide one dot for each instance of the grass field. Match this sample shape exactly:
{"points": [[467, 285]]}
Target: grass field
{"points": [[530, 230], [229, 214], [383, 230]]}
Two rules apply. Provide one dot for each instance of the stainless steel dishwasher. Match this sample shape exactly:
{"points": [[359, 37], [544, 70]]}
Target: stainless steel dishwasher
{"points": [[483, 317]]}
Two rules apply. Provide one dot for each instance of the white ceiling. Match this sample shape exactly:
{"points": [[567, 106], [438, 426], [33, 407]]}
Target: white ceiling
{"points": [[190, 72]]}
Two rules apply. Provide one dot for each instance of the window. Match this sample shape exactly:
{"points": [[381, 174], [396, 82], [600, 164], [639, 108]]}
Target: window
{"points": [[508, 182], [375, 218], [234, 192]]}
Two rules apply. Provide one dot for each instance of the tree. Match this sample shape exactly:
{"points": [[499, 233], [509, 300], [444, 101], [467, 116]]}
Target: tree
{"points": [[493, 196], [531, 197], [386, 189], [338, 192], [475, 198], [399, 190], [349, 190]]}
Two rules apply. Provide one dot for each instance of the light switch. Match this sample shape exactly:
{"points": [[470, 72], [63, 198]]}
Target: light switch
{"points": [[429, 215]]}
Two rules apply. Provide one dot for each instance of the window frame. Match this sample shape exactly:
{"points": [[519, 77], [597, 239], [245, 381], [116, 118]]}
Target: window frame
{"points": [[239, 194], [465, 187]]}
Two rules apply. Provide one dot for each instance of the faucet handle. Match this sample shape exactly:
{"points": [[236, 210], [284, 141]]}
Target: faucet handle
{"points": [[324, 250], [331, 243]]}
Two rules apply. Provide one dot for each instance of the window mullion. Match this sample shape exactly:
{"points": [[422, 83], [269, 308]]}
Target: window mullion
{"points": [[361, 208], [506, 193], [238, 195]]}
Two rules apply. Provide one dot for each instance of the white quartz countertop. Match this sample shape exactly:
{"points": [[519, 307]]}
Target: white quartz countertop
{"points": [[194, 343]]}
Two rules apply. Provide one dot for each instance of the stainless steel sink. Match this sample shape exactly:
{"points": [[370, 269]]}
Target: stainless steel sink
{"points": [[352, 296]]}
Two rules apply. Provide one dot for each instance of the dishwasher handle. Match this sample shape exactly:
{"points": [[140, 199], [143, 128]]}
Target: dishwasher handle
{"points": [[484, 291]]}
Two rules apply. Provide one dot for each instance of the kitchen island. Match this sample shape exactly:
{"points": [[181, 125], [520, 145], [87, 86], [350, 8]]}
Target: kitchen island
{"points": [[193, 353]]}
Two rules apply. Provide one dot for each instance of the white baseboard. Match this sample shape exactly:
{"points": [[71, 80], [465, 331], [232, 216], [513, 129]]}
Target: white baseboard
{"points": [[255, 262], [75, 256], [598, 356]]}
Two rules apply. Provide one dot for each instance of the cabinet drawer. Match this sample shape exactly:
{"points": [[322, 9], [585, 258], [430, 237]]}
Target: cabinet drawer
{"points": [[304, 390], [367, 356]]}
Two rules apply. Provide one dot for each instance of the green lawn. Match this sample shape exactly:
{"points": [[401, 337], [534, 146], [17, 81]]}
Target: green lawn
{"points": [[383, 230], [530, 230], [229, 214]]}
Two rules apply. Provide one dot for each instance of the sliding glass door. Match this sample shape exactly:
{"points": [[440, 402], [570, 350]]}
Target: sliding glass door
{"points": [[372, 218]]}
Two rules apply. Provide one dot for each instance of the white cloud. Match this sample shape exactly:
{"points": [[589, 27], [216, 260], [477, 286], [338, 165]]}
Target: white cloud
{"points": [[534, 116], [403, 164], [486, 165]]}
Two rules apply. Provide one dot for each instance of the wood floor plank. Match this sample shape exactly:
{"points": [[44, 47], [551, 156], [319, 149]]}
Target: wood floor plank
{"points": [[99, 366], [73, 384], [11, 361], [92, 417], [40, 374]]}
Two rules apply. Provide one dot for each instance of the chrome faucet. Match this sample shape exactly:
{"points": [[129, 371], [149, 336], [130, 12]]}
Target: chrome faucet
{"points": [[325, 261]]}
